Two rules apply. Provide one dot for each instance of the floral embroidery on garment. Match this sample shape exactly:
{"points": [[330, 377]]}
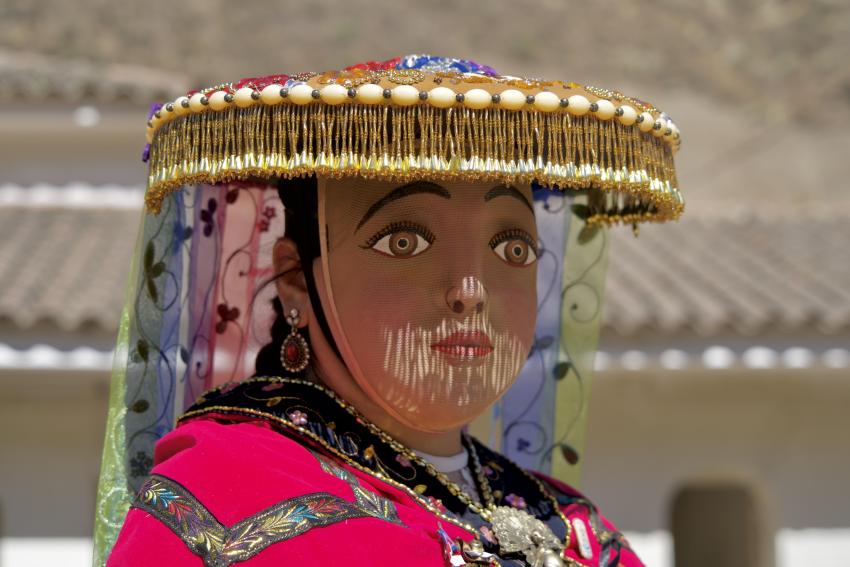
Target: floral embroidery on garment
{"points": [[378, 505], [219, 546]]}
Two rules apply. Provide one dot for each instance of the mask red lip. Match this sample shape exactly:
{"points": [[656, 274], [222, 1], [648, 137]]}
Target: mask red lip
{"points": [[465, 344]]}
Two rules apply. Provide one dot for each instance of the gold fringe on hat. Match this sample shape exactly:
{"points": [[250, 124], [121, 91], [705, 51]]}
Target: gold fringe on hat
{"points": [[630, 173]]}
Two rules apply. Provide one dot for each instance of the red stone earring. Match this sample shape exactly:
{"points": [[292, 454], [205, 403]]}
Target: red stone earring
{"points": [[294, 352]]}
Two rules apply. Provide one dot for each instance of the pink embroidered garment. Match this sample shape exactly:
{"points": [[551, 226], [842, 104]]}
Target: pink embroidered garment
{"points": [[234, 484]]}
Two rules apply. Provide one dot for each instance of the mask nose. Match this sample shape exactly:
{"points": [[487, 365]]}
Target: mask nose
{"points": [[469, 297]]}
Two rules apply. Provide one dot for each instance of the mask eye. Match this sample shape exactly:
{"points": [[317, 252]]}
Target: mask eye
{"points": [[402, 244], [514, 249]]}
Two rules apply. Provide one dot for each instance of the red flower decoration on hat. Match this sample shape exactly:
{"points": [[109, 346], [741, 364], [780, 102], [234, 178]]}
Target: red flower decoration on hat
{"points": [[260, 83], [375, 65]]}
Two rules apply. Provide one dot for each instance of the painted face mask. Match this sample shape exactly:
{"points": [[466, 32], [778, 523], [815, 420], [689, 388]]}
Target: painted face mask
{"points": [[432, 291]]}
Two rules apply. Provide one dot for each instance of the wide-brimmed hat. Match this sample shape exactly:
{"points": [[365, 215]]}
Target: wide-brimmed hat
{"points": [[423, 117]]}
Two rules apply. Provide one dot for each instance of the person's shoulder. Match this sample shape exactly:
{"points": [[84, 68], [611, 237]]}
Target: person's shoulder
{"points": [[593, 537], [214, 446], [232, 491]]}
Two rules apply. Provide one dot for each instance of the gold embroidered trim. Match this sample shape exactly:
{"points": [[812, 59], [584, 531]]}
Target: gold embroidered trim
{"points": [[219, 546]]}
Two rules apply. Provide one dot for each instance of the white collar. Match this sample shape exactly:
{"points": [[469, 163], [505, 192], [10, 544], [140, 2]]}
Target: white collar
{"points": [[448, 464]]}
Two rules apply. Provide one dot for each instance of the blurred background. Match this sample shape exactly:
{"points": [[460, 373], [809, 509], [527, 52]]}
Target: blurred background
{"points": [[719, 426]]}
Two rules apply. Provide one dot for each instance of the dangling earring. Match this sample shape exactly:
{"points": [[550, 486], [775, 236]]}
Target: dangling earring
{"points": [[294, 352]]}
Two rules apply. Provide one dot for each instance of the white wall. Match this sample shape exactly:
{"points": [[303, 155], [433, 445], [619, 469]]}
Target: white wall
{"points": [[786, 431], [51, 435]]}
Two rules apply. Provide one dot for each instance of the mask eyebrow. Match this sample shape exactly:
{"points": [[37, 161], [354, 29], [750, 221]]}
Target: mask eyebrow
{"points": [[510, 191], [401, 192]]}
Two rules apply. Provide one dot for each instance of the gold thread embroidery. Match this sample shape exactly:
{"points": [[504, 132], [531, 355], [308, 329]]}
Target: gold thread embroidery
{"points": [[414, 493], [219, 546]]}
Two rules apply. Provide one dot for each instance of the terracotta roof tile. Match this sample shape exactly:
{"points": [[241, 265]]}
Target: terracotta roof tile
{"points": [[25, 75], [766, 57], [62, 266], [742, 274], [710, 275]]}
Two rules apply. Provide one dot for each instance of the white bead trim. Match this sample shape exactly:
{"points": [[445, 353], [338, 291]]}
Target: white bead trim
{"points": [[407, 95], [512, 99], [270, 95]]}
